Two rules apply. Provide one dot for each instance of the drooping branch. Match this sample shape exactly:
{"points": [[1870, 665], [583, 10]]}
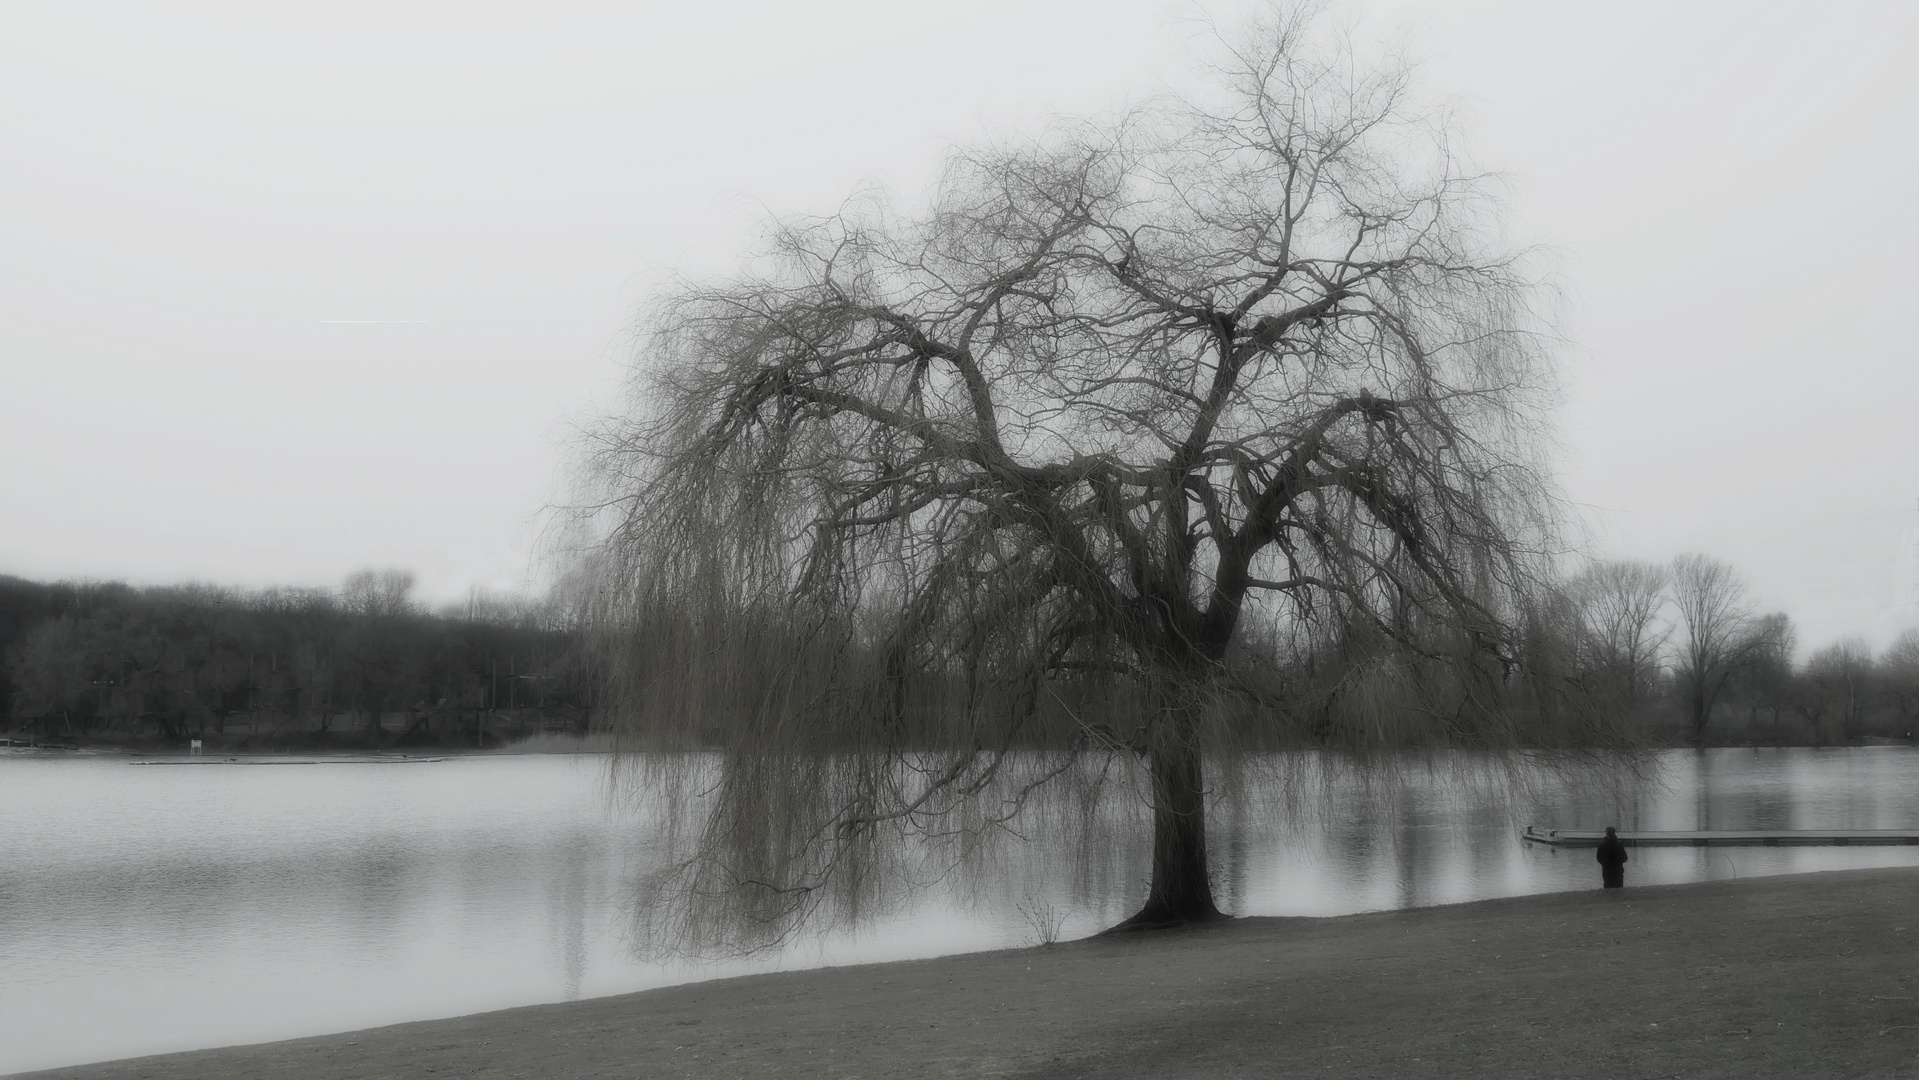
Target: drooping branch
{"points": [[1139, 413]]}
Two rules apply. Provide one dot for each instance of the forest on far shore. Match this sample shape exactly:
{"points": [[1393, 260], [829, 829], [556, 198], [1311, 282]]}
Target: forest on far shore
{"points": [[362, 666]]}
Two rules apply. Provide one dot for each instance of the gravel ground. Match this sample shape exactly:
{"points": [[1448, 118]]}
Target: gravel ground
{"points": [[1808, 975]]}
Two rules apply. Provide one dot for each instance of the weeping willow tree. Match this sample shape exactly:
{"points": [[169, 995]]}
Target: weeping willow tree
{"points": [[1212, 427]]}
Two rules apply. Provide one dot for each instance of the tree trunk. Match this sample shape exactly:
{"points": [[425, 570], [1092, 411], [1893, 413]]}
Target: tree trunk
{"points": [[1705, 696], [1182, 889]]}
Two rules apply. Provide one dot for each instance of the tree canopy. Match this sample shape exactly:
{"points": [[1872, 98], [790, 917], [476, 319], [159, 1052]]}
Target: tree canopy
{"points": [[1211, 426]]}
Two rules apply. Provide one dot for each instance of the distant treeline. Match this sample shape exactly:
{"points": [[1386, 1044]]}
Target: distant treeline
{"points": [[1675, 648], [362, 665], [1705, 668], [1839, 695], [1676, 644]]}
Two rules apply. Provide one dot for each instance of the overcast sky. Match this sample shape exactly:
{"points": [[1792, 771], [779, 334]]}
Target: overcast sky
{"points": [[289, 291]]}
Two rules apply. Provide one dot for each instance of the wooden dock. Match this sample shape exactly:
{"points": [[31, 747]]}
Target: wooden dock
{"points": [[1724, 837]]}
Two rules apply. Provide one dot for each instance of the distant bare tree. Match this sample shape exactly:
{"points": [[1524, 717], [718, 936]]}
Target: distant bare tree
{"points": [[1121, 422], [49, 665], [1716, 633], [377, 601], [1842, 673], [1764, 678], [1898, 678], [378, 594], [1620, 603]]}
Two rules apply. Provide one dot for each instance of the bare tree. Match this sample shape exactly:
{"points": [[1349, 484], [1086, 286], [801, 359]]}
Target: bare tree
{"points": [[49, 666], [1841, 674], [1898, 678], [1095, 452], [1764, 678], [377, 601], [378, 594], [1620, 603], [1716, 633]]}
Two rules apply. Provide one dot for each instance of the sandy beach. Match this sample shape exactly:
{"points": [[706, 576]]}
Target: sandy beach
{"points": [[1806, 975]]}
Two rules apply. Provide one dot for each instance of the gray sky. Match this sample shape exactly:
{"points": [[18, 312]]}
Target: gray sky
{"points": [[288, 293]]}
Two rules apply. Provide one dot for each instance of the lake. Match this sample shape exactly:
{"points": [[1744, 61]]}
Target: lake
{"points": [[156, 908]]}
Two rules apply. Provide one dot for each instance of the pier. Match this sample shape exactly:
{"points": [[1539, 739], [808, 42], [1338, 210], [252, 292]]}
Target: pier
{"points": [[1722, 837]]}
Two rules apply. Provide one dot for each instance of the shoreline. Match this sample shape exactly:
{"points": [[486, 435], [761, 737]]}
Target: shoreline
{"points": [[269, 746], [1803, 975], [173, 754]]}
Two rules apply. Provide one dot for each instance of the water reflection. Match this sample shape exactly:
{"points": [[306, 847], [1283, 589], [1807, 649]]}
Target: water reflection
{"points": [[158, 909]]}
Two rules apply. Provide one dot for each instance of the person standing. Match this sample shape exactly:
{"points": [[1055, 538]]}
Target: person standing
{"points": [[1612, 860]]}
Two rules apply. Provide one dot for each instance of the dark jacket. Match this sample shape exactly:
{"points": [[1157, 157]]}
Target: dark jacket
{"points": [[1612, 862], [1612, 852]]}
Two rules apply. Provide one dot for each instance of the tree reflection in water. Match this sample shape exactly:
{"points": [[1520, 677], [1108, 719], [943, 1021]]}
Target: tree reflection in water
{"points": [[150, 910], [737, 863]]}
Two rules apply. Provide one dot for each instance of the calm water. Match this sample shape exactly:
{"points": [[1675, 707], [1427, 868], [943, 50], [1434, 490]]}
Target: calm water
{"points": [[147, 909]]}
